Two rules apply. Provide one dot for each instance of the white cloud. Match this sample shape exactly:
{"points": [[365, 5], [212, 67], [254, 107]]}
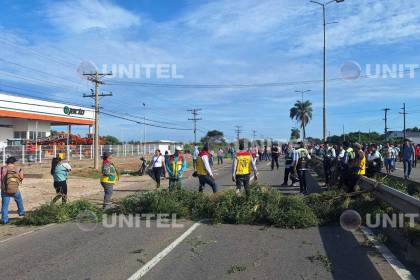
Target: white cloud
{"points": [[80, 16]]}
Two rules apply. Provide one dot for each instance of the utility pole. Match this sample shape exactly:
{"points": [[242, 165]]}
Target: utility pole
{"points": [[195, 113], [144, 129], [344, 134], [404, 112], [96, 79], [386, 122], [254, 135], [324, 109], [238, 132]]}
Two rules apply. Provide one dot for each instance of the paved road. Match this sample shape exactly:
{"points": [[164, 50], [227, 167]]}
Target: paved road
{"points": [[399, 172], [210, 252]]}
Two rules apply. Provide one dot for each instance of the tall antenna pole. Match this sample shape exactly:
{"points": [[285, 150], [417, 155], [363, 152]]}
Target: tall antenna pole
{"points": [[404, 112], [386, 122], [238, 132], [195, 113], [96, 79]]}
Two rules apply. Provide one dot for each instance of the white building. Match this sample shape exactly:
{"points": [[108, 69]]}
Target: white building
{"points": [[23, 118], [162, 145]]}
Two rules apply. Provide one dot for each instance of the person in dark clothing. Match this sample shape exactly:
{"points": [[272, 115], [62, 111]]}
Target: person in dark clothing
{"points": [[275, 153]]}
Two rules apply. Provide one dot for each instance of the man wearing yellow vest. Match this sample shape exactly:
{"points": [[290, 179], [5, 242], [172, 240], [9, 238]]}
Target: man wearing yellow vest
{"points": [[241, 169], [109, 178], [204, 173]]}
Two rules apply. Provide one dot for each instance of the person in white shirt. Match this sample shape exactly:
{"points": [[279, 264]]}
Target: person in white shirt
{"points": [[158, 165]]}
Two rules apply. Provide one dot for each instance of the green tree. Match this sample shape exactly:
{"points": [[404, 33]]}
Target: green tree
{"points": [[214, 137], [302, 112], [111, 140], [295, 134]]}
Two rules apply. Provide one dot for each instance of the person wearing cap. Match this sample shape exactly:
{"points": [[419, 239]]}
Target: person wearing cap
{"points": [[11, 179], [176, 166], [242, 166], [109, 178], [204, 172]]}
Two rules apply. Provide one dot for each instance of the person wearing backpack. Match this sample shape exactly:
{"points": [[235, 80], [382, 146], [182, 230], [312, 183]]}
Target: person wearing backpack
{"points": [[11, 179], [60, 173]]}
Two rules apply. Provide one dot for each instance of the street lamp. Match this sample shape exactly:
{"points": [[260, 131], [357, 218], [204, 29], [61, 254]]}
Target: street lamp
{"points": [[324, 113], [302, 92]]}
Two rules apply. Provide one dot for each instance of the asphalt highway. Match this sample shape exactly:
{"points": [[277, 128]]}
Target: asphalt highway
{"points": [[208, 252]]}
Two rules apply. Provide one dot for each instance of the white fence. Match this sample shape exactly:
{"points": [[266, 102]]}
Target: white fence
{"points": [[40, 153]]}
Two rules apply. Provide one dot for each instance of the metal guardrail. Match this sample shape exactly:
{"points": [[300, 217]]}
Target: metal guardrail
{"points": [[397, 199]]}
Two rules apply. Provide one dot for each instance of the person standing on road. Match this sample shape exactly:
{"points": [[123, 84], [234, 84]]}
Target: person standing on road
{"points": [[60, 173], [291, 160], [329, 156], [176, 166], [302, 165], [417, 155], [374, 161], [11, 179], [220, 155], [194, 156], [109, 178], [241, 169], [407, 153], [359, 166], [158, 165], [205, 175], [275, 153], [390, 155]]}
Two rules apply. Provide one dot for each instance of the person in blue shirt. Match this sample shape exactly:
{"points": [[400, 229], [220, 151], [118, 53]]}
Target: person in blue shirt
{"points": [[407, 154], [60, 173]]}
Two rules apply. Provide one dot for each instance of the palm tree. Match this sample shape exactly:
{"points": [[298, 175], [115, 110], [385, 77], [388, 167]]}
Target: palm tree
{"points": [[295, 134], [302, 112]]}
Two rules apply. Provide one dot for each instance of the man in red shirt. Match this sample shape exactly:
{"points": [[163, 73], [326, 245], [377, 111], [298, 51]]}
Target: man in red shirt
{"points": [[416, 155]]}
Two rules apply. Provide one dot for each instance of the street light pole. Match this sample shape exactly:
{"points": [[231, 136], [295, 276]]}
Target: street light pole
{"points": [[302, 92], [324, 109], [144, 129]]}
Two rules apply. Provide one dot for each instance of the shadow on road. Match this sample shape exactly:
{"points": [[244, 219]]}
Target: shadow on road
{"points": [[350, 260]]}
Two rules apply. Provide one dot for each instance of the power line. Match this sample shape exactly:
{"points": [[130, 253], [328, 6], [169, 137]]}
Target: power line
{"points": [[143, 123], [39, 71], [195, 113]]}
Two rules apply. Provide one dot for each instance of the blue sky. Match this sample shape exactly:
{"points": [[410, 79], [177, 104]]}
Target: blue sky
{"points": [[217, 42]]}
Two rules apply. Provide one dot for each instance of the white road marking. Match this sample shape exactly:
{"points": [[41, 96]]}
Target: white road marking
{"points": [[150, 264], [398, 267], [268, 164]]}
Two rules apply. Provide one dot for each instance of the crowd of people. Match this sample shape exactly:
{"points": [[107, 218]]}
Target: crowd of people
{"points": [[345, 163]]}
